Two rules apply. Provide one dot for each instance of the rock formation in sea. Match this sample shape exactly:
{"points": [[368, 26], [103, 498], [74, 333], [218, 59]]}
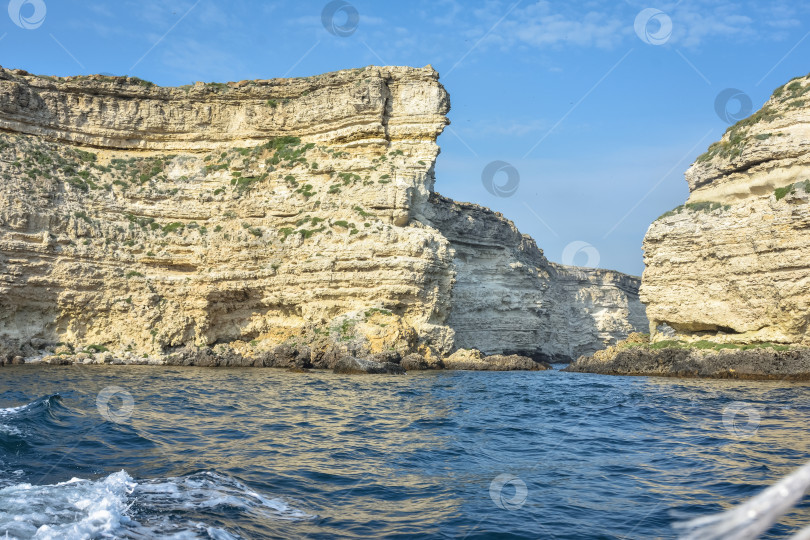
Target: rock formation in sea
{"points": [[730, 269], [288, 222]]}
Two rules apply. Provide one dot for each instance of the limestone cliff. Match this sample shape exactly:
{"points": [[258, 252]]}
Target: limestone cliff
{"points": [[143, 219], [508, 298], [733, 264]]}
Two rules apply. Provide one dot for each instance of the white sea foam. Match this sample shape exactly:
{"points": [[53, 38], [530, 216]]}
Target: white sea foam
{"points": [[9, 430], [68, 510], [15, 411], [208, 490], [118, 506], [9, 411]]}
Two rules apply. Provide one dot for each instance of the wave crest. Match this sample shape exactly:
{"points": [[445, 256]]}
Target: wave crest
{"points": [[120, 506]]}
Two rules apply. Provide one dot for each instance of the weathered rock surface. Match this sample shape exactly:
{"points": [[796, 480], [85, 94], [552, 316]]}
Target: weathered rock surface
{"points": [[282, 223], [733, 264], [727, 278], [349, 365], [473, 359], [635, 357], [508, 298]]}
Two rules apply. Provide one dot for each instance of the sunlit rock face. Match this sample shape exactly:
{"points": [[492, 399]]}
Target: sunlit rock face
{"points": [[144, 219], [732, 264], [508, 298]]}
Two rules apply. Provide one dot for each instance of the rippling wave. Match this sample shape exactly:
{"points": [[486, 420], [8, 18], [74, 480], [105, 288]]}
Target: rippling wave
{"points": [[270, 454], [117, 505]]}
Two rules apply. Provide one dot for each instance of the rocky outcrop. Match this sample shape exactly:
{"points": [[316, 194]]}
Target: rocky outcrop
{"points": [[472, 359], [727, 278], [215, 223], [704, 358], [733, 264]]}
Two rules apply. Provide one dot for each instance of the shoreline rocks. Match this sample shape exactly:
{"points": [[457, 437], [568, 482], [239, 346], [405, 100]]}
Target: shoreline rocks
{"points": [[299, 360], [471, 359], [636, 356], [726, 274]]}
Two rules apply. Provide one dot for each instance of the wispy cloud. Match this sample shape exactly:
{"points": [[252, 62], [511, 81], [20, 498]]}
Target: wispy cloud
{"points": [[603, 24]]}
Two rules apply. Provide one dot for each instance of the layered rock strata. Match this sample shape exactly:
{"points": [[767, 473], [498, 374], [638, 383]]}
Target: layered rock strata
{"points": [[508, 298], [214, 223], [732, 265], [734, 262]]}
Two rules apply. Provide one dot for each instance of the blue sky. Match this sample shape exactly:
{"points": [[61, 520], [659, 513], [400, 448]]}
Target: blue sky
{"points": [[599, 120]]}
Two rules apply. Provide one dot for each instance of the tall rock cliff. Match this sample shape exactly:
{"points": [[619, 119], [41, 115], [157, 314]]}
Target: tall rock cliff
{"points": [[145, 219], [733, 264]]}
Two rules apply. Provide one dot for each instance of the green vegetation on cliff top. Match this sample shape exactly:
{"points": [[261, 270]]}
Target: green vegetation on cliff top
{"points": [[791, 95], [706, 206]]}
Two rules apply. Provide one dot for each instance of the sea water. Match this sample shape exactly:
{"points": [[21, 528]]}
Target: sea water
{"points": [[153, 452]]}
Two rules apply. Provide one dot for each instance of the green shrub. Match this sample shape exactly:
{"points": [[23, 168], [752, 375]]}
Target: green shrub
{"points": [[88, 157], [782, 192], [141, 82], [285, 232], [369, 313], [306, 191], [305, 233], [79, 184], [173, 227], [706, 206]]}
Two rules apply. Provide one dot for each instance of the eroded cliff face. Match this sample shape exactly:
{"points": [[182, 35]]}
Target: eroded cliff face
{"points": [[732, 264], [144, 219], [508, 298]]}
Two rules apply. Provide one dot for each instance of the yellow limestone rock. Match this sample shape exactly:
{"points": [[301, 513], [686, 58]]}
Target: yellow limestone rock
{"points": [[733, 264], [142, 219]]}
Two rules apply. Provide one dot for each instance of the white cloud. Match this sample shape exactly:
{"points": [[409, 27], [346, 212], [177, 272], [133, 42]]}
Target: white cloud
{"points": [[604, 24]]}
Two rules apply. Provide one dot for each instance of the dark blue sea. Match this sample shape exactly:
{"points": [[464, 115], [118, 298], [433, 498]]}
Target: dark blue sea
{"points": [[155, 452]]}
